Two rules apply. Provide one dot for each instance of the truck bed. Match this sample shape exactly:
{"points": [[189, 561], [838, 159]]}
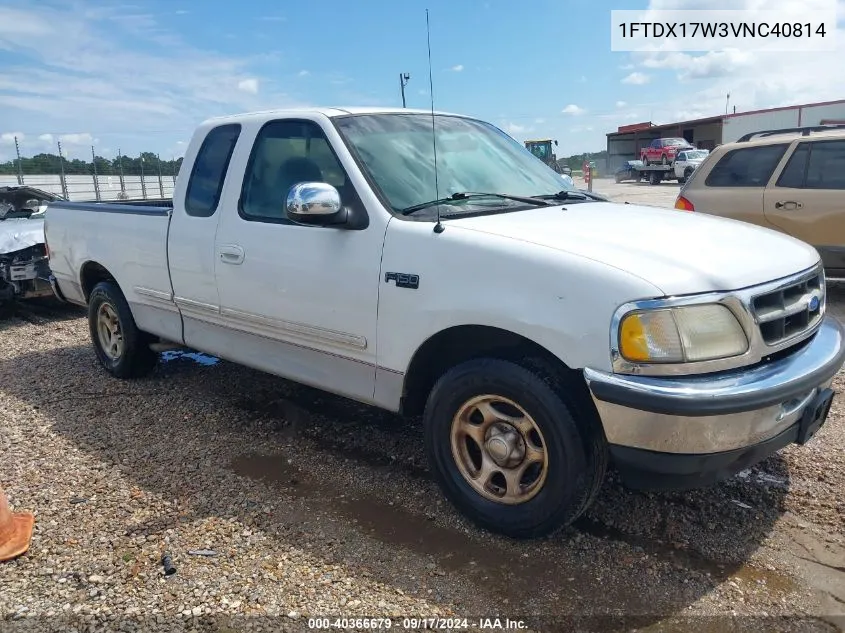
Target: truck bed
{"points": [[126, 240]]}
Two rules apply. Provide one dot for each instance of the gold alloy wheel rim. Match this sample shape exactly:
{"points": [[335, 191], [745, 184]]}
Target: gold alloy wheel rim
{"points": [[109, 332], [499, 449]]}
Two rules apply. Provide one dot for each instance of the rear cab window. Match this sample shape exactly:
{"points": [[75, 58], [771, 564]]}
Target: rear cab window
{"points": [[746, 166], [209, 170]]}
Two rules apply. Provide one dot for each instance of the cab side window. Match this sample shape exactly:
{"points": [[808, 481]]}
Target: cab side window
{"points": [[286, 153], [209, 171]]}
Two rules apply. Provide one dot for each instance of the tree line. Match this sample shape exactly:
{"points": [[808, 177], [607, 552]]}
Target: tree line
{"points": [[147, 162], [577, 161]]}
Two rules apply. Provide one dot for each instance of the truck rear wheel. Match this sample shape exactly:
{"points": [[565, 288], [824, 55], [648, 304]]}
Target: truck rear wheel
{"points": [[506, 449], [122, 349]]}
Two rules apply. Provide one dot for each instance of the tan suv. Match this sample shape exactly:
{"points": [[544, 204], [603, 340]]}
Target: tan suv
{"points": [[791, 180]]}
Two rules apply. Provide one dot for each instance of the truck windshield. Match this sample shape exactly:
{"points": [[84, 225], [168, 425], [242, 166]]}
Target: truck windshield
{"points": [[397, 153]]}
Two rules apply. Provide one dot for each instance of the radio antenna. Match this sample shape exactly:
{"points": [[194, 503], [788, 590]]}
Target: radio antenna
{"points": [[438, 228]]}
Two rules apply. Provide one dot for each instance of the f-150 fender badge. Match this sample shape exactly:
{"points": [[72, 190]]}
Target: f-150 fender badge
{"points": [[403, 280]]}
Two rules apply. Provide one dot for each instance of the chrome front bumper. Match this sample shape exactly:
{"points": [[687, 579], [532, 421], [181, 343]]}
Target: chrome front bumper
{"points": [[717, 413]]}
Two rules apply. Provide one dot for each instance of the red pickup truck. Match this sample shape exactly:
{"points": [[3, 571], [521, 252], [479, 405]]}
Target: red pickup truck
{"points": [[663, 150]]}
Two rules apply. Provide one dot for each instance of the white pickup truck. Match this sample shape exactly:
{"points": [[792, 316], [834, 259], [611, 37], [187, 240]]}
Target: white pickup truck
{"points": [[687, 161], [541, 332]]}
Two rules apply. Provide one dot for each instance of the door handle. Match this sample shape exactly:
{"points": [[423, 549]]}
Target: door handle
{"points": [[789, 205], [231, 254]]}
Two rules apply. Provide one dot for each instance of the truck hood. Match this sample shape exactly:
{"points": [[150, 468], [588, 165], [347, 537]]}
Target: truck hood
{"points": [[17, 234], [677, 251]]}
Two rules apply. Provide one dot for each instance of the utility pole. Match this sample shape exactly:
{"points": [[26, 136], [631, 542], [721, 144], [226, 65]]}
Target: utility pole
{"points": [[403, 81], [20, 170], [727, 102]]}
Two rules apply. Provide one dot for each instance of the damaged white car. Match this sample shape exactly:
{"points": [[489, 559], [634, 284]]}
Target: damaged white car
{"points": [[24, 269]]}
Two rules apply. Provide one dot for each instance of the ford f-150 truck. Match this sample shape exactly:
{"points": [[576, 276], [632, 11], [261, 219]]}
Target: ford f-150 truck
{"points": [[430, 265]]}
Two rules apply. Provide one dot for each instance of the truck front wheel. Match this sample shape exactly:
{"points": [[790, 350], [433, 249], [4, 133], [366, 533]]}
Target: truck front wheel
{"points": [[122, 349], [507, 451]]}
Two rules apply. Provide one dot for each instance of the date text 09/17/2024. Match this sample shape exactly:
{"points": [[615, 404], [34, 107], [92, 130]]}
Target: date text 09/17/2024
{"points": [[418, 623]]}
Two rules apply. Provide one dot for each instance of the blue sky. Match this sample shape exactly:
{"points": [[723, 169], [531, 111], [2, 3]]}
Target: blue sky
{"points": [[139, 76]]}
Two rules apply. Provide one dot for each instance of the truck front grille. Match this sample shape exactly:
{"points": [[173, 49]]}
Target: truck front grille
{"points": [[790, 311]]}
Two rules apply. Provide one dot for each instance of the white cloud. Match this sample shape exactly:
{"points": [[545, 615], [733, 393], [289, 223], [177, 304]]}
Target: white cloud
{"points": [[621, 104], [755, 79], [539, 120], [707, 66], [457, 68], [77, 139], [636, 79], [515, 129], [182, 12], [8, 138], [573, 110], [141, 98], [303, 73], [46, 138], [249, 86]]}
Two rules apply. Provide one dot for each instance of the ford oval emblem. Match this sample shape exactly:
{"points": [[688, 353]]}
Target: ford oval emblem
{"points": [[814, 304]]}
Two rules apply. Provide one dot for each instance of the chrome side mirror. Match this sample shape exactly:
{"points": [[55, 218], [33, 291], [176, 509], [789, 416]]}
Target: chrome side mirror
{"points": [[314, 203]]}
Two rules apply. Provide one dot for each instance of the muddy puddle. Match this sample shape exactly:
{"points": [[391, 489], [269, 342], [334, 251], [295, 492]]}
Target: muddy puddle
{"points": [[556, 576]]}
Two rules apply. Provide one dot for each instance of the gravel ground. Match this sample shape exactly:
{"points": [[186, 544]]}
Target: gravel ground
{"points": [[278, 503]]}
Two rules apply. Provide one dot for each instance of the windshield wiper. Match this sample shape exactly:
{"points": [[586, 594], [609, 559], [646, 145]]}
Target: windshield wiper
{"points": [[467, 195], [568, 195]]}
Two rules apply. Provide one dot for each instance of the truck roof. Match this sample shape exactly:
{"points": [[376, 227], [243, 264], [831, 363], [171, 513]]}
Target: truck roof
{"points": [[330, 112]]}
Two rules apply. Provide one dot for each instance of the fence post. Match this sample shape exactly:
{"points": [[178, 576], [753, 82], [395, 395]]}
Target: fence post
{"points": [[20, 168], [120, 168], [160, 183], [96, 180], [62, 171], [143, 184]]}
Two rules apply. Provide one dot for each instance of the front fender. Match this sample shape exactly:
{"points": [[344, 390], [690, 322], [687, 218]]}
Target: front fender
{"points": [[560, 301]]}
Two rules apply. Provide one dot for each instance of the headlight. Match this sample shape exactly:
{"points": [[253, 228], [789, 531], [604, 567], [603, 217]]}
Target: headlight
{"points": [[682, 334]]}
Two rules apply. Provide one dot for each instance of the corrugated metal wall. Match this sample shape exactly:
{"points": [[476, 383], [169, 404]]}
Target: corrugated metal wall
{"points": [[736, 126]]}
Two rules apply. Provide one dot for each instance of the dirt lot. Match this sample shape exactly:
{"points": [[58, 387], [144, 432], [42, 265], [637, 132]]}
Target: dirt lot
{"points": [[310, 506]]}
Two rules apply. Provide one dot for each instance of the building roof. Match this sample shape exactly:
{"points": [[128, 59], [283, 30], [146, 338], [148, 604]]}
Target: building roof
{"points": [[625, 129], [640, 127]]}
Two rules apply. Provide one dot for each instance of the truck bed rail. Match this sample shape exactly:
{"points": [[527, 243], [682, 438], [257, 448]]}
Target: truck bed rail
{"points": [[163, 206]]}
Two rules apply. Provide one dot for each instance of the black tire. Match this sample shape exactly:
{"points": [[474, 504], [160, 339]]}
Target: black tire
{"points": [[575, 446], [682, 180], [136, 359]]}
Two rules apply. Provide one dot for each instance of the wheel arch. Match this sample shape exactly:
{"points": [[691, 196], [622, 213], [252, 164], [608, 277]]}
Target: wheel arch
{"points": [[90, 274], [460, 343]]}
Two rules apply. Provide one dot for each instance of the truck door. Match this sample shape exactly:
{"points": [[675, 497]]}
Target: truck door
{"points": [[190, 243], [806, 200], [302, 300]]}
